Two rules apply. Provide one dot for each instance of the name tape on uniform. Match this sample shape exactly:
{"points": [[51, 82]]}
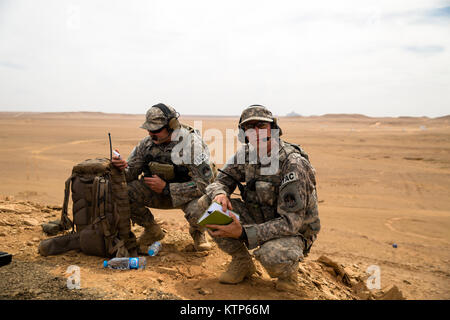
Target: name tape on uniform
{"points": [[289, 177]]}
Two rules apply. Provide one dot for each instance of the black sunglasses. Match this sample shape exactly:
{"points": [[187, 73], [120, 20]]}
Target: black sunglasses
{"points": [[157, 131], [259, 125]]}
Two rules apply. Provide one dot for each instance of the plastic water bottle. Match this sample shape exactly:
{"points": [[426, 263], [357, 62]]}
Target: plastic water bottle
{"points": [[154, 249], [125, 263]]}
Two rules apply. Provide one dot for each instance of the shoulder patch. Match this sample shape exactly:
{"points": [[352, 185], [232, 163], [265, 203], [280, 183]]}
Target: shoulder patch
{"points": [[290, 199], [289, 177]]}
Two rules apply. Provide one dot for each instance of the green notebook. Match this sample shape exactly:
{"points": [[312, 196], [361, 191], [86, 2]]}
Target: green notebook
{"points": [[215, 215]]}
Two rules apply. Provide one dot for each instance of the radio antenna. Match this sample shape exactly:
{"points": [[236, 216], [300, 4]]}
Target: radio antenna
{"points": [[110, 146]]}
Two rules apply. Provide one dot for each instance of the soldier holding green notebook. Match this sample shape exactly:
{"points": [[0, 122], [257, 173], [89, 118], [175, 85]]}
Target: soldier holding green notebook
{"points": [[278, 211]]}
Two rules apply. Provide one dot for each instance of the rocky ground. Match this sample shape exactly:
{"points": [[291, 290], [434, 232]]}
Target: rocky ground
{"points": [[176, 273]]}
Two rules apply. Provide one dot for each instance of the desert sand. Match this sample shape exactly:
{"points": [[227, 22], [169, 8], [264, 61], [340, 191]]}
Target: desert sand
{"points": [[380, 182]]}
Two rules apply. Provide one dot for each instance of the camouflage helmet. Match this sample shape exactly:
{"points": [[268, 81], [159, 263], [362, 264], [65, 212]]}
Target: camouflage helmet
{"points": [[156, 118], [260, 113], [255, 112]]}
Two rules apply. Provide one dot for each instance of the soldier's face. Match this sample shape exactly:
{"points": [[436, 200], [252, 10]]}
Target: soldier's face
{"points": [[160, 136], [258, 134]]}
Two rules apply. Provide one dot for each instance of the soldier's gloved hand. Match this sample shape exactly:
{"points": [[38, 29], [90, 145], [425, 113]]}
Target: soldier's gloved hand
{"points": [[232, 230], [224, 201], [155, 183], [119, 163]]}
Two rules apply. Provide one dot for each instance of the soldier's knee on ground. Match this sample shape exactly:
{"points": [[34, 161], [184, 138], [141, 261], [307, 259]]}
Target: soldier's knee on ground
{"points": [[280, 257]]}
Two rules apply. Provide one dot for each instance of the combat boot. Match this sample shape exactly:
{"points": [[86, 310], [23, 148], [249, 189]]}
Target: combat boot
{"points": [[200, 241], [152, 232], [241, 266], [288, 283]]}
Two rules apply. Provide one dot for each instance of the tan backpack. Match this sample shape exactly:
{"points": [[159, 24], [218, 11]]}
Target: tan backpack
{"points": [[101, 213]]}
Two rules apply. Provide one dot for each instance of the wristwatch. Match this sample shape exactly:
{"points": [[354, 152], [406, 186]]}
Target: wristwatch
{"points": [[166, 190]]}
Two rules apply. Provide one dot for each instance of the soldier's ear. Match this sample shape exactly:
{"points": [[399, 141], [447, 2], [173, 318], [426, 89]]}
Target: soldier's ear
{"points": [[274, 125], [241, 135]]}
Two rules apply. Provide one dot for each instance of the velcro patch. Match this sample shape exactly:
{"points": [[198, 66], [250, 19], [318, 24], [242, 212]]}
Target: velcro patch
{"points": [[289, 177]]}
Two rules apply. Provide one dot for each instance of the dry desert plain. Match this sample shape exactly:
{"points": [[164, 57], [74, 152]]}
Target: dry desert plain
{"points": [[380, 181]]}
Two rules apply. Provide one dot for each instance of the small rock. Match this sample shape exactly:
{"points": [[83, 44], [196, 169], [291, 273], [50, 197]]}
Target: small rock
{"points": [[7, 223], [30, 222], [35, 239], [391, 293], [2, 234], [302, 270], [204, 292], [317, 284], [353, 282], [36, 291]]}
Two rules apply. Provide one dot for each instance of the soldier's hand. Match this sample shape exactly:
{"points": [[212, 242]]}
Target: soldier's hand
{"points": [[224, 201], [119, 162], [232, 230], [155, 183]]}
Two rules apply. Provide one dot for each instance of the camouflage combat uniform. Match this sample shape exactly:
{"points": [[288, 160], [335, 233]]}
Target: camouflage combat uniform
{"points": [[280, 214], [183, 194]]}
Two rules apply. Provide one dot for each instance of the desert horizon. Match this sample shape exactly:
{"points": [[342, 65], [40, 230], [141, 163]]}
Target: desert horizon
{"points": [[326, 115]]}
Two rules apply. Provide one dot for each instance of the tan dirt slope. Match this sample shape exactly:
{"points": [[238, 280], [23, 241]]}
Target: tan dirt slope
{"points": [[380, 181]]}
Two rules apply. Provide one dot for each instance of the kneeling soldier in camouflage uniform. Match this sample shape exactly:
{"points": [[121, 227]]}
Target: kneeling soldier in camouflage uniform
{"points": [[279, 213], [165, 184]]}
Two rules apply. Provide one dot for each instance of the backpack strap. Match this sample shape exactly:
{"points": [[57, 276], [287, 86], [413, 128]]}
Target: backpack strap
{"points": [[101, 198], [65, 222], [99, 204], [122, 208]]}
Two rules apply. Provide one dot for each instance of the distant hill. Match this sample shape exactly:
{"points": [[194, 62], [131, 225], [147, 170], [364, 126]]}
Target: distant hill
{"points": [[345, 115], [447, 117], [412, 118], [293, 114]]}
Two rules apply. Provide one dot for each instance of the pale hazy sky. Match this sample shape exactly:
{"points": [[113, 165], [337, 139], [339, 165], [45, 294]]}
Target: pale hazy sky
{"points": [[379, 58]]}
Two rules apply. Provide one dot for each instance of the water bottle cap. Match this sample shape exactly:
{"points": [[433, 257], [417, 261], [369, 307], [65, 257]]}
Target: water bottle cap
{"points": [[105, 264], [151, 252]]}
